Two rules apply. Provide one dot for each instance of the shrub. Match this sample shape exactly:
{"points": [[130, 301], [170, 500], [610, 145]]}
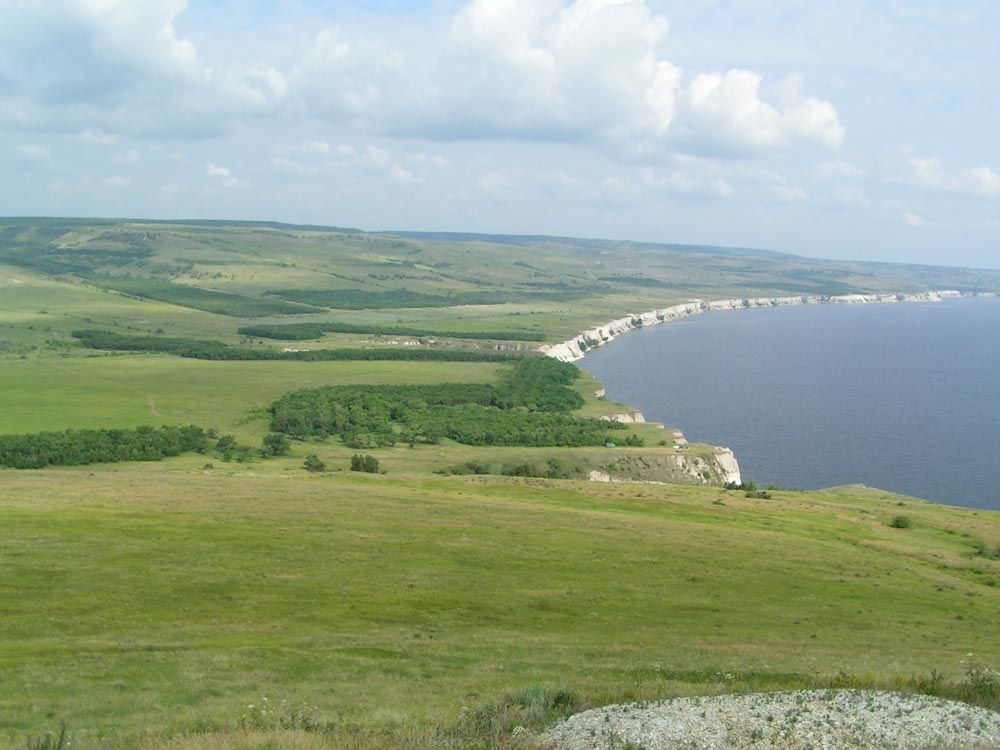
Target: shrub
{"points": [[901, 522], [981, 686], [313, 463], [365, 463]]}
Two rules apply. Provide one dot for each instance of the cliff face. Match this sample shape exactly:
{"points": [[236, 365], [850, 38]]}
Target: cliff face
{"points": [[716, 466], [579, 345]]}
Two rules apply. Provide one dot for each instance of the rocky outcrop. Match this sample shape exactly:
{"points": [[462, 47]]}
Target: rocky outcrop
{"points": [[632, 417], [712, 465]]}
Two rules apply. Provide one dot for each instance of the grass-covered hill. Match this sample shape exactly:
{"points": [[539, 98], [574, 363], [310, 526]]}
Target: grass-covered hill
{"points": [[300, 487], [280, 282]]}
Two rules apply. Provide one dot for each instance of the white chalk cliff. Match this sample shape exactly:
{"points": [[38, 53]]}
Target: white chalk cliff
{"points": [[576, 347], [721, 467]]}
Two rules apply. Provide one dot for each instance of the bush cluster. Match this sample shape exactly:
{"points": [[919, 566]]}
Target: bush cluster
{"points": [[529, 407], [79, 447]]}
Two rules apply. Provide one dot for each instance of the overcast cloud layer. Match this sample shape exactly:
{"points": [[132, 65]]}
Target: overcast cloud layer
{"points": [[842, 129]]}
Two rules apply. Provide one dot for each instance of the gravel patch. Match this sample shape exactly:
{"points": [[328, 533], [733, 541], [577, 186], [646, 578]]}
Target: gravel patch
{"points": [[793, 720]]}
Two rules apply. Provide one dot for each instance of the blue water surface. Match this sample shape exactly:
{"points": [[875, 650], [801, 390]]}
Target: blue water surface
{"points": [[904, 397]]}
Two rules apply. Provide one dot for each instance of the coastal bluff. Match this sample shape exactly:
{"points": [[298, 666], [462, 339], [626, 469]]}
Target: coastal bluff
{"points": [[576, 348]]}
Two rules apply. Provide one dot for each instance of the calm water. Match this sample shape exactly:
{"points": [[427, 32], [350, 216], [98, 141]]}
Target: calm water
{"points": [[905, 397]]}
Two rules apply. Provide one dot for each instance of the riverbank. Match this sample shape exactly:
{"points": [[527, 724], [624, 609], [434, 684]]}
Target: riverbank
{"points": [[899, 397], [577, 347]]}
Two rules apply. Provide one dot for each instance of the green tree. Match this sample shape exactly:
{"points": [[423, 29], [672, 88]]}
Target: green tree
{"points": [[276, 444]]}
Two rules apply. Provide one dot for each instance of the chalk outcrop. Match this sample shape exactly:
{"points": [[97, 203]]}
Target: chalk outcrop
{"points": [[709, 465], [793, 720]]}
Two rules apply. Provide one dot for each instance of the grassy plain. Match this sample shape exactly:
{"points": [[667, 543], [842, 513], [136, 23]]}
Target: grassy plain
{"points": [[169, 597], [147, 605]]}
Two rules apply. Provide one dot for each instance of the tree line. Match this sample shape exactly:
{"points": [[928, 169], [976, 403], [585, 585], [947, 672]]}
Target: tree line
{"points": [[218, 350], [309, 331], [79, 447]]}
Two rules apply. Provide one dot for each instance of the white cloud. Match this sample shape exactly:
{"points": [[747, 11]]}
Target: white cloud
{"points": [[116, 182], [849, 196], [840, 169], [377, 160], [305, 147], [101, 139], [224, 177], [127, 158], [927, 173], [933, 173], [402, 176], [727, 110], [580, 71], [985, 181], [687, 186], [108, 67], [32, 152], [552, 70], [790, 193], [913, 220]]}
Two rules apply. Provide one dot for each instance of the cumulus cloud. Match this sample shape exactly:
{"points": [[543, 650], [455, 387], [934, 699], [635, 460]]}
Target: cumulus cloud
{"points": [[108, 67], [581, 71], [587, 70], [913, 220], [727, 110]]}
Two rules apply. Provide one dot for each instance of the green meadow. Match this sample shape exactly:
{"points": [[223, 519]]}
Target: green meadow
{"points": [[203, 602]]}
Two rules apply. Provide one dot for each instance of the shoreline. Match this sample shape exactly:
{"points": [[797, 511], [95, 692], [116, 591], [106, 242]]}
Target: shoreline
{"points": [[576, 348], [726, 461]]}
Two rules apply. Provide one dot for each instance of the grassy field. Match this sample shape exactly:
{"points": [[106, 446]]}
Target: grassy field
{"points": [[169, 597], [148, 605]]}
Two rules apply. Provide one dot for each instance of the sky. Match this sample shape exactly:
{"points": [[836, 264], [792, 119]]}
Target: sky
{"points": [[840, 129]]}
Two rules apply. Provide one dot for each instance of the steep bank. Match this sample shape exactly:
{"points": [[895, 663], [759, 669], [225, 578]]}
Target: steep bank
{"points": [[577, 347]]}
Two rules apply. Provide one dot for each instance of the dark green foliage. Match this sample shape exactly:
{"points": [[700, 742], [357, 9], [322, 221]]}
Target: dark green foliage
{"points": [[313, 463], [365, 463], [276, 444], [217, 350], [222, 303], [551, 469], [901, 522], [361, 299], [309, 331], [529, 406], [78, 447], [497, 724], [640, 281]]}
